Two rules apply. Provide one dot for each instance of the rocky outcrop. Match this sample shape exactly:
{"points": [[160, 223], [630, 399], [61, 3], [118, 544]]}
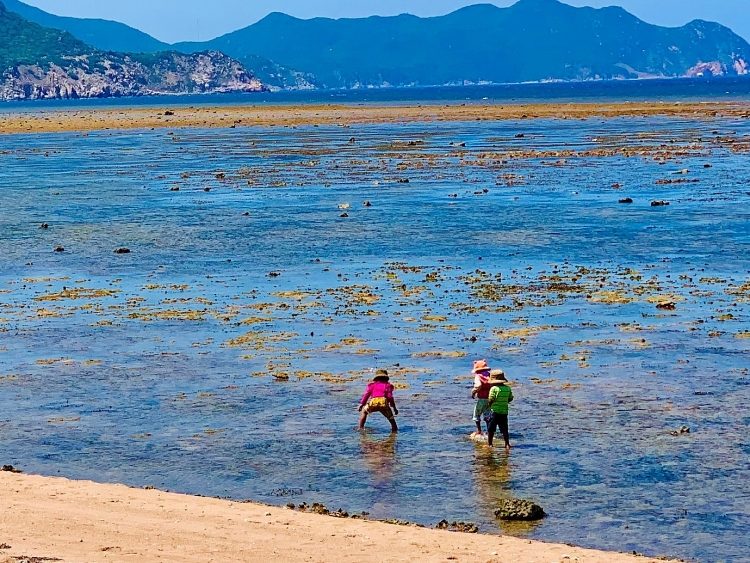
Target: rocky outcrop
{"points": [[104, 75], [516, 509]]}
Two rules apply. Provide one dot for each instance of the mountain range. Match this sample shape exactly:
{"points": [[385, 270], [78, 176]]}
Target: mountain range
{"points": [[39, 62], [533, 40]]}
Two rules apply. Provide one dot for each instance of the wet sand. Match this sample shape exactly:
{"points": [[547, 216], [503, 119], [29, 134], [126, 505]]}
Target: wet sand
{"points": [[80, 521], [41, 121]]}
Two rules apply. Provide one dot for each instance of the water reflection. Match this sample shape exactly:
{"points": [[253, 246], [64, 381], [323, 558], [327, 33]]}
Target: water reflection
{"points": [[379, 456], [492, 469]]}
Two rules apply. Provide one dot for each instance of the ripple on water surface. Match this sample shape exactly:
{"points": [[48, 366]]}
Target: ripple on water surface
{"points": [[225, 354]]}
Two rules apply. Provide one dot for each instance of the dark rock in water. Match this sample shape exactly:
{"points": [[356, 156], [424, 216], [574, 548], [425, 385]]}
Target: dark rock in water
{"points": [[708, 166], [683, 430], [44, 226], [352, 140], [403, 180], [290, 506], [667, 306], [206, 189], [463, 527], [517, 509], [303, 507], [10, 469], [659, 203], [367, 204], [318, 508], [626, 200], [174, 189], [344, 215], [274, 274], [59, 249], [122, 251]]}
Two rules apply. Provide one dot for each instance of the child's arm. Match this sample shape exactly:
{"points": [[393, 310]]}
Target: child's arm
{"points": [[510, 397], [477, 387], [390, 399]]}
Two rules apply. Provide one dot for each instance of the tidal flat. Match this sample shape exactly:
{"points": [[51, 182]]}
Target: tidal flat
{"points": [[271, 270]]}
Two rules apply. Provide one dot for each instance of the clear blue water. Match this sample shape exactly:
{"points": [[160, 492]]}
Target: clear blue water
{"points": [[673, 90], [186, 366]]}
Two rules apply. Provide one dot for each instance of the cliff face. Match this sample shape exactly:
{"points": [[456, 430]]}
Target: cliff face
{"points": [[113, 75], [42, 63]]}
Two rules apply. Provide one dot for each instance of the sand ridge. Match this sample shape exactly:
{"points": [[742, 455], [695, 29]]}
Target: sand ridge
{"points": [[83, 120], [81, 521]]}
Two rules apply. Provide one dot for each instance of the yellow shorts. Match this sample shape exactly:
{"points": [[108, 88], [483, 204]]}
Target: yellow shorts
{"points": [[379, 404]]}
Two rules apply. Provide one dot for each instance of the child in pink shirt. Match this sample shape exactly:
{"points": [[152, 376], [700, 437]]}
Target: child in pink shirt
{"points": [[480, 392], [379, 398]]}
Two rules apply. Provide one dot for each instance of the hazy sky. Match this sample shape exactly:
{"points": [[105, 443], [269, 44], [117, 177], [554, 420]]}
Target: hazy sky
{"points": [[178, 20]]}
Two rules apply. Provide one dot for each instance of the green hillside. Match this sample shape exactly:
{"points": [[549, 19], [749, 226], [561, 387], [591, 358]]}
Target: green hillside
{"points": [[107, 35], [530, 41], [31, 44], [39, 62], [102, 34]]}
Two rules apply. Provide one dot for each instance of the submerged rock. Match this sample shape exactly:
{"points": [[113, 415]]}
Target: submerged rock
{"points": [[683, 430], [517, 509], [318, 508], [10, 469], [659, 203], [59, 249], [463, 527], [627, 200], [122, 251]]}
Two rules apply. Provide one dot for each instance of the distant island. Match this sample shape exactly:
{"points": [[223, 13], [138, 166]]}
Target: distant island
{"points": [[531, 41]]}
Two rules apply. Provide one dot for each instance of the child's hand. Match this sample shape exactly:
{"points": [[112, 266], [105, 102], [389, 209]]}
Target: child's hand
{"points": [[395, 411], [360, 408], [473, 394]]}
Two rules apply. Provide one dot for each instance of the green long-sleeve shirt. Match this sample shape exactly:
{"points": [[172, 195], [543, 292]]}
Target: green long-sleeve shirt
{"points": [[500, 397]]}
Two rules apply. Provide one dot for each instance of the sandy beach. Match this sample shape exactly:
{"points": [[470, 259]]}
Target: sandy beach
{"points": [[81, 120], [72, 521]]}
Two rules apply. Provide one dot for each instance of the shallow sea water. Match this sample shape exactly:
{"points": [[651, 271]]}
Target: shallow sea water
{"points": [[226, 353]]}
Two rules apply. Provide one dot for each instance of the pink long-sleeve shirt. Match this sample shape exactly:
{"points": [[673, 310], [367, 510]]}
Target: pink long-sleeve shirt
{"points": [[481, 386], [379, 389]]}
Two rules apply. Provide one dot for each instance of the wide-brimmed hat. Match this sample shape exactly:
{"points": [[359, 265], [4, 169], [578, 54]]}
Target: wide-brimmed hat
{"points": [[381, 375], [480, 365], [497, 377]]}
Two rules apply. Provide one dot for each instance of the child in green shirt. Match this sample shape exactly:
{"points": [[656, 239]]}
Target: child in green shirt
{"points": [[500, 397]]}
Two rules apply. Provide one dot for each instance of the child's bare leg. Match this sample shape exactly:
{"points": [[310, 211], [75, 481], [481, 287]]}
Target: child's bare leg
{"points": [[362, 420], [392, 420], [504, 430], [479, 427]]}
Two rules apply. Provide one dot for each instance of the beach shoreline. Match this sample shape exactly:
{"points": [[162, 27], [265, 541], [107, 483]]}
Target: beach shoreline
{"points": [[82, 521], [87, 120]]}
